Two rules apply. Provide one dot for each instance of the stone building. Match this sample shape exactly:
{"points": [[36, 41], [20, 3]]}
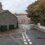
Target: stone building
{"points": [[8, 21], [23, 19]]}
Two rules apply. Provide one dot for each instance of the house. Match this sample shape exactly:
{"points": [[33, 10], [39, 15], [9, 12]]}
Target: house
{"points": [[8, 21]]}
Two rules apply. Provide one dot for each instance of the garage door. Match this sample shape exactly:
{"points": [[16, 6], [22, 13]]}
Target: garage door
{"points": [[11, 27], [3, 28]]}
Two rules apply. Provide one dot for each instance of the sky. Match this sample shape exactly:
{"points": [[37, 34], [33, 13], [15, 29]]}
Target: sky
{"points": [[16, 6]]}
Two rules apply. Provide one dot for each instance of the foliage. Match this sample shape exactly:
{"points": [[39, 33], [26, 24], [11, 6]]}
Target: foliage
{"points": [[37, 11]]}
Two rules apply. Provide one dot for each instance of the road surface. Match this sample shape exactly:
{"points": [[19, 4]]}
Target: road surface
{"points": [[23, 36]]}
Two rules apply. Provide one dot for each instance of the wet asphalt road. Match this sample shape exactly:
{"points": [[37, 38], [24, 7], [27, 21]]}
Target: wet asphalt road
{"points": [[26, 36], [37, 37]]}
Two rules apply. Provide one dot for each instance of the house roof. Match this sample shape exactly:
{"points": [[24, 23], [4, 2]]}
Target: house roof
{"points": [[7, 18]]}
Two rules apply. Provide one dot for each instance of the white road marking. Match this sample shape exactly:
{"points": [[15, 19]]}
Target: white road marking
{"points": [[30, 42], [27, 37], [25, 43], [23, 37]]}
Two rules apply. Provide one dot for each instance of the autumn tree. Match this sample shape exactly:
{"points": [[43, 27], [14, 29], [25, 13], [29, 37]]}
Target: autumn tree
{"points": [[36, 12]]}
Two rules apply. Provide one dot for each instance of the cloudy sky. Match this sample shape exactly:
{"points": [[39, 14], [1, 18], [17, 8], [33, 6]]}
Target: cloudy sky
{"points": [[16, 6]]}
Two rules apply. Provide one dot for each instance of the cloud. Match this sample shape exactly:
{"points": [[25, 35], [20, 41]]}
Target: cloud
{"points": [[16, 5]]}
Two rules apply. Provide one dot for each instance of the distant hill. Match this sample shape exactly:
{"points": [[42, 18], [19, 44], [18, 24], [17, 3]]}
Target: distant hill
{"points": [[20, 14]]}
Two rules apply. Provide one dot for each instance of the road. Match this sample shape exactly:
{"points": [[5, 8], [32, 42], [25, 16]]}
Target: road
{"points": [[23, 36]]}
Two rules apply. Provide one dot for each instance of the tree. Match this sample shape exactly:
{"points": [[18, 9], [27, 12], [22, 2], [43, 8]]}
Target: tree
{"points": [[37, 12]]}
